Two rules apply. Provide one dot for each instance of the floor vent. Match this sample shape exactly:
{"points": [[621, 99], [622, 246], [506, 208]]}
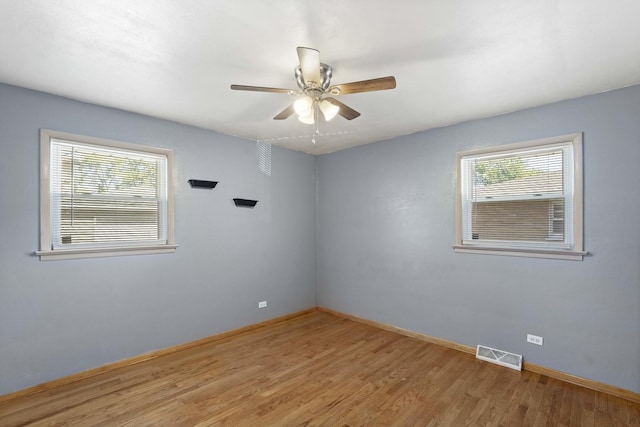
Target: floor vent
{"points": [[499, 357]]}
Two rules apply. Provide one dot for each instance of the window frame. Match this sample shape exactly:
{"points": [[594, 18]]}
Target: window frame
{"points": [[47, 252], [574, 252]]}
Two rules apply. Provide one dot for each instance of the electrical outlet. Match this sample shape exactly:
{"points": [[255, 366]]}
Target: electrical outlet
{"points": [[262, 304], [534, 339]]}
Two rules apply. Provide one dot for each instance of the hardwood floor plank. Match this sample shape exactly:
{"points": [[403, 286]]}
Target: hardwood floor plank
{"points": [[318, 370]]}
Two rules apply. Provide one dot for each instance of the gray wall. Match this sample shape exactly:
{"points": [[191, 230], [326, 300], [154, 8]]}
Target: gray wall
{"points": [[385, 226], [62, 317]]}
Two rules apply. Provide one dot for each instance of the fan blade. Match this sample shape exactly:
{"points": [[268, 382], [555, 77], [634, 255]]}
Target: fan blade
{"points": [[285, 113], [309, 64], [346, 112], [382, 83], [263, 89]]}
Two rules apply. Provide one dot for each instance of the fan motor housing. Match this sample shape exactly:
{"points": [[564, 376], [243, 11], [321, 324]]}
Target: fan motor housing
{"points": [[326, 72]]}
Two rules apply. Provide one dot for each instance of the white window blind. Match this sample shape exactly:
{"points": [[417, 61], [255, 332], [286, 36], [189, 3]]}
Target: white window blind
{"points": [[106, 197], [521, 199]]}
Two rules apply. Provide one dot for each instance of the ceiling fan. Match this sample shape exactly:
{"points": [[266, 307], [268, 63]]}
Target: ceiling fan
{"points": [[314, 83]]}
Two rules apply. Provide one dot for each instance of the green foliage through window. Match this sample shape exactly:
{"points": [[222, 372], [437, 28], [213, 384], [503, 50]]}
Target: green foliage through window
{"points": [[488, 172]]}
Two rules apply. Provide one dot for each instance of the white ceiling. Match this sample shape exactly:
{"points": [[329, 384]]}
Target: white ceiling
{"points": [[453, 60]]}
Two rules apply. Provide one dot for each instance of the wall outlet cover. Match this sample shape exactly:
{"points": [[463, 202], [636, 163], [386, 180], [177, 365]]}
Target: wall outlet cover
{"points": [[534, 339]]}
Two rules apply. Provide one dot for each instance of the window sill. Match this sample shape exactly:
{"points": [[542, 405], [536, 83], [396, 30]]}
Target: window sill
{"points": [[531, 253], [59, 254]]}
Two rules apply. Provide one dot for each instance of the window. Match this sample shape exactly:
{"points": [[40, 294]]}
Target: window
{"points": [[522, 199], [103, 198]]}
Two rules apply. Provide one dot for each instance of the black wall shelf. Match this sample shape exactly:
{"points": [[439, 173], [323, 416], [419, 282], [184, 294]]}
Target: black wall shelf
{"points": [[200, 183], [245, 203]]}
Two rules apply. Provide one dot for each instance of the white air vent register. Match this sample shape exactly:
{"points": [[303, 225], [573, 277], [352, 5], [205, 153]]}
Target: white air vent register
{"points": [[499, 357]]}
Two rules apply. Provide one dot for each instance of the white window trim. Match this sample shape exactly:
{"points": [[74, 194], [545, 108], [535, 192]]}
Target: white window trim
{"points": [[46, 253], [577, 252]]}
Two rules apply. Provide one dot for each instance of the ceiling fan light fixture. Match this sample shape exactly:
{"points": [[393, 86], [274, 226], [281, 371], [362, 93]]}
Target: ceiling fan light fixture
{"points": [[328, 109], [303, 106], [314, 83]]}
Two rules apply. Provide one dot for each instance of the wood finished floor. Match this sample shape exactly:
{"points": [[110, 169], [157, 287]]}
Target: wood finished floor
{"points": [[319, 370]]}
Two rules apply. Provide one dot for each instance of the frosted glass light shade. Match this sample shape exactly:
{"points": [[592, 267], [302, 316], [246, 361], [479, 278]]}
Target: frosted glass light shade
{"points": [[328, 109], [303, 106], [308, 119]]}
